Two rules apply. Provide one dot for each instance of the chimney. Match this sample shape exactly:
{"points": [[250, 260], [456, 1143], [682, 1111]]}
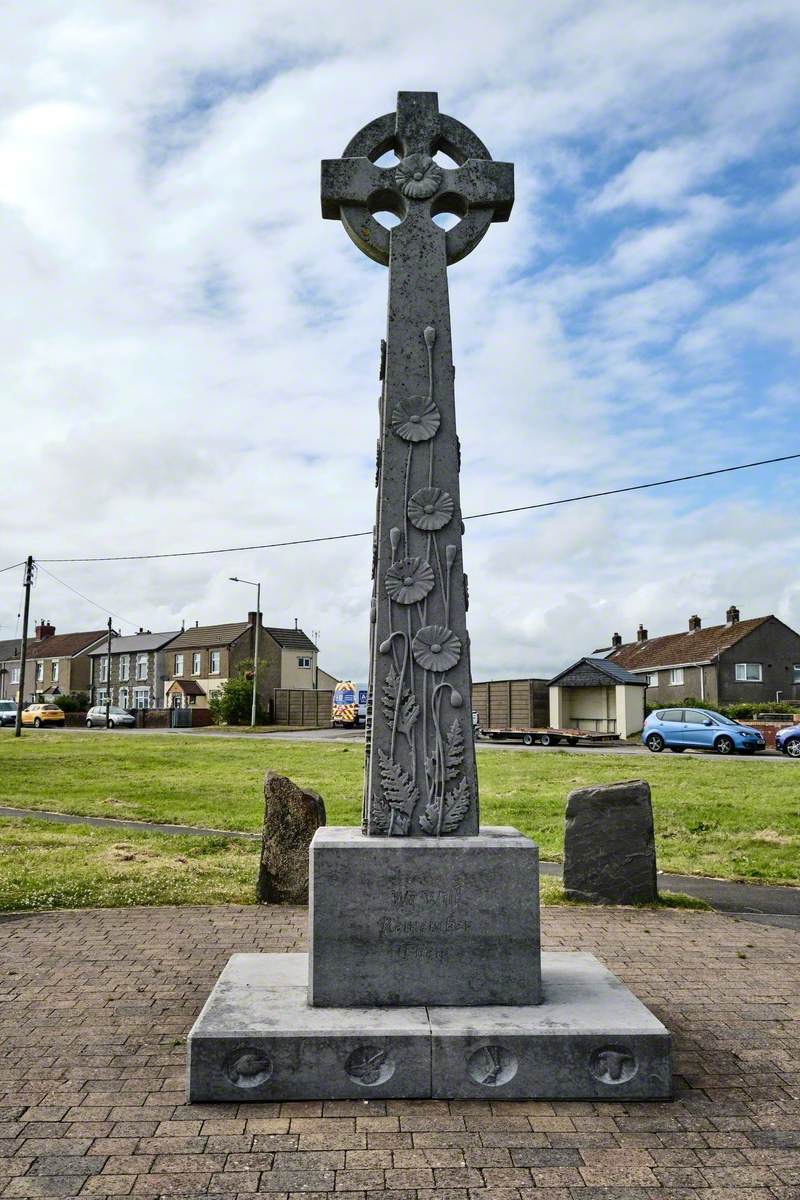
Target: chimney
{"points": [[694, 623], [732, 615], [616, 640], [295, 623], [251, 618], [44, 630], [641, 634]]}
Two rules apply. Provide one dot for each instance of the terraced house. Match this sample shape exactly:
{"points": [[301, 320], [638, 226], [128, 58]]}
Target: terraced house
{"points": [[59, 664], [755, 659], [136, 672], [9, 669]]}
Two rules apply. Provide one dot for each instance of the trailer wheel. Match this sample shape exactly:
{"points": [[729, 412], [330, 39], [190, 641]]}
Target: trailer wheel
{"points": [[549, 739], [527, 739]]}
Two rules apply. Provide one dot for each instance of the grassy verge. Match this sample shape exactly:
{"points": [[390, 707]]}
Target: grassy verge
{"points": [[733, 819], [46, 866]]}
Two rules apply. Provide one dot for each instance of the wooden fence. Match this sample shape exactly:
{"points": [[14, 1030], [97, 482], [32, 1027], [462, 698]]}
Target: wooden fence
{"points": [[302, 706]]}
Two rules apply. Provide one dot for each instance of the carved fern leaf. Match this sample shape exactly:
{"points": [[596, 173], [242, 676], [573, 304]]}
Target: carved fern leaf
{"points": [[398, 790], [379, 816], [409, 711], [430, 818], [456, 805], [454, 750], [391, 685]]}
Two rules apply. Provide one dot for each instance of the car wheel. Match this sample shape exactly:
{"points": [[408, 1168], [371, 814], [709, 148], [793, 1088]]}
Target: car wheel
{"points": [[655, 743], [677, 749], [792, 747], [724, 745], [89, 724], [37, 723], [527, 739]]}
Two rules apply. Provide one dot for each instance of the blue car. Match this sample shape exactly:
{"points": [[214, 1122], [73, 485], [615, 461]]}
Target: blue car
{"points": [[788, 741], [680, 729]]}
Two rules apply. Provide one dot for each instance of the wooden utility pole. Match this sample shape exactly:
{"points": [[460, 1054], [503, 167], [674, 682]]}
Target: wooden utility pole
{"points": [[108, 678], [28, 581]]}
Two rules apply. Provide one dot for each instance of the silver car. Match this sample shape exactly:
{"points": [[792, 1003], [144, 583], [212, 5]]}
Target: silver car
{"points": [[8, 712], [116, 716]]}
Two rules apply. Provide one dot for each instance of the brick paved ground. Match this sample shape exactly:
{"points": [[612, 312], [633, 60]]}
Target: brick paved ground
{"points": [[94, 1007]]}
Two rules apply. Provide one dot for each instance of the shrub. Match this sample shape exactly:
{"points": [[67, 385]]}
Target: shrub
{"points": [[232, 704], [74, 702]]}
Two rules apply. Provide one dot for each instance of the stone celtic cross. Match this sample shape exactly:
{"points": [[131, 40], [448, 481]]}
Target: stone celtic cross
{"points": [[420, 768]]}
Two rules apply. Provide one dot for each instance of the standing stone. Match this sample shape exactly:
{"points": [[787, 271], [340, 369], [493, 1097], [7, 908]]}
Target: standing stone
{"points": [[609, 845], [420, 771], [292, 816]]}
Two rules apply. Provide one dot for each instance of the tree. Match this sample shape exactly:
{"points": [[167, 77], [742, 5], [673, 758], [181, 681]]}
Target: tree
{"points": [[233, 702]]}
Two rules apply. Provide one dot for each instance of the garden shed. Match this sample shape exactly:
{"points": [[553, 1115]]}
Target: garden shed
{"points": [[597, 695]]}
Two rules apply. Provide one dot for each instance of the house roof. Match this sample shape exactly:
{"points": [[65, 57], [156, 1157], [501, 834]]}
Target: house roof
{"points": [[10, 649], [594, 672], [209, 635], [290, 639], [681, 649], [65, 645], [136, 643], [189, 687]]}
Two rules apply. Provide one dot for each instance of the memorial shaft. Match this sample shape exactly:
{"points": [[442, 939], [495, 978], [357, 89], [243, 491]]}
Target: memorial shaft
{"points": [[420, 777]]}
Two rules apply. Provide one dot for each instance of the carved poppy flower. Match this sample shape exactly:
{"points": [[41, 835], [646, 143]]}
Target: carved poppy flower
{"points": [[436, 648], [409, 580], [416, 419], [430, 508], [418, 176]]}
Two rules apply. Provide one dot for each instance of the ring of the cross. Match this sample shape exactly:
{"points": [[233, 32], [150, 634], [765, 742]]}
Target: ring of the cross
{"points": [[417, 178]]}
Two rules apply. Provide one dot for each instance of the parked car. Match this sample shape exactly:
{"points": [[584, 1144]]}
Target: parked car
{"points": [[116, 716], [788, 741], [8, 712], [680, 729], [42, 714]]}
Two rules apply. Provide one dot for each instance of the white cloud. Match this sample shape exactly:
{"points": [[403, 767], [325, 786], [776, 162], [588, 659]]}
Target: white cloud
{"points": [[188, 353]]}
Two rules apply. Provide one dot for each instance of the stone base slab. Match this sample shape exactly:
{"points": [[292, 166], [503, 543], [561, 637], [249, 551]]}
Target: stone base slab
{"points": [[405, 921], [257, 1039]]}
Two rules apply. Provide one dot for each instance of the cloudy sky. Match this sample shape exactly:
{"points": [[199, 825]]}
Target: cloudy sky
{"points": [[188, 353]]}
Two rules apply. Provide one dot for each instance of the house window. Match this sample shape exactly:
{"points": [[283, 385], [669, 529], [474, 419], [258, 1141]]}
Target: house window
{"points": [[191, 698], [748, 672], [303, 661], [123, 697], [652, 678], [141, 698], [796, 670], [15, 674], [104, 669], [676, 675], [125, 666], [101, 695], [54, 670], [213, 659], [40, 672], [178, 665], [141, 666], [196, 663]]}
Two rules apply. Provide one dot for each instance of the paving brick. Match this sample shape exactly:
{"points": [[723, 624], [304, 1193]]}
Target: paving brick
{"points": [[92, 1071]]}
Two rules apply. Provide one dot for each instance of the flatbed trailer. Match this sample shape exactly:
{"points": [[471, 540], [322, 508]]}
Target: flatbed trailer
{"points": [[546, 736]]}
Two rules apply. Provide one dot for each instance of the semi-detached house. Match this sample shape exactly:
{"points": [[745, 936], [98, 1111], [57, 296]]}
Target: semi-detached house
{"points": [[59, 664], [756, 659]]}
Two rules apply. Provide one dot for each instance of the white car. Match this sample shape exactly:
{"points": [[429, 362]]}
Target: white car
{"points": [[116, 716], [8, 712]]}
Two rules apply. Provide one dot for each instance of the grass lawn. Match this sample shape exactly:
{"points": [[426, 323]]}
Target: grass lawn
{"points": [[735, 819], [46, 866]]}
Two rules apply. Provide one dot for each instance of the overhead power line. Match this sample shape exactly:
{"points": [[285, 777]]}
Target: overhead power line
{"points": [[109, 612], [497, 512], [11, 567]]}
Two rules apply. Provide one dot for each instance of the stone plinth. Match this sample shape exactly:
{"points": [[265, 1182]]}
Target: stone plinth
{"points": [[258, 1040], [410, 921], [609, 845]]}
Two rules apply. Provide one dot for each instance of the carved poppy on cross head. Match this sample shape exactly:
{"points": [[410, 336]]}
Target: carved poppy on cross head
{"points": [[419, 176]]}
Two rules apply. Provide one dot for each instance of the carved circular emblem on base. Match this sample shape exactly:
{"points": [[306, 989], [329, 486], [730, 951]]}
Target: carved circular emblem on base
{"points": [[370, 1065], [492, 1066], [613, 1064], [248, 1067]]}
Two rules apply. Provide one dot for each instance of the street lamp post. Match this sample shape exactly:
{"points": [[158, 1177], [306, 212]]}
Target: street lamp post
{"points": [[257, 586]]}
